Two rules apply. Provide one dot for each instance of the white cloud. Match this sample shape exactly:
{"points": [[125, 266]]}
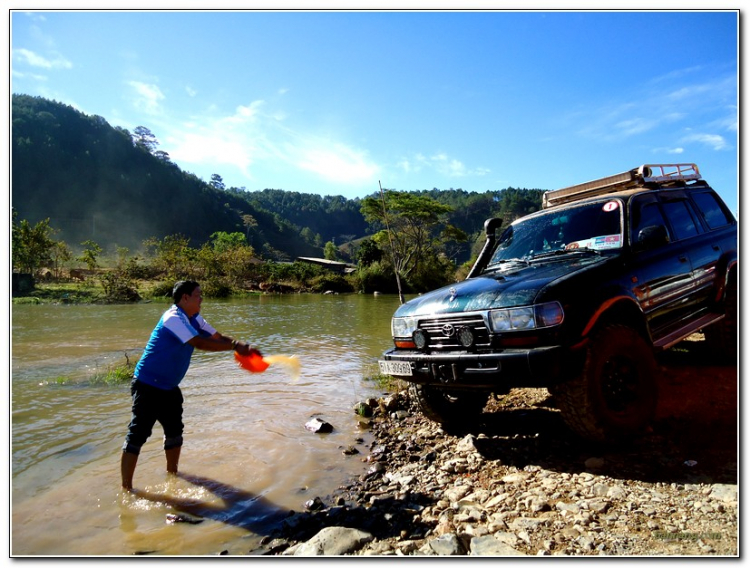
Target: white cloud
{"points": [[247, 113], [148, 96], [441, 163], [35, 60], [336, 162], [207, 147], [36, 16], [406, 166], [19, 75], [677, 150], [656, 110], [715, 141], [636, 125], [253, 138]]}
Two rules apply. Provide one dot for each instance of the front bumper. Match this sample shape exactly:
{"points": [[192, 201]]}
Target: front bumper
{"points": [[510, 368]]}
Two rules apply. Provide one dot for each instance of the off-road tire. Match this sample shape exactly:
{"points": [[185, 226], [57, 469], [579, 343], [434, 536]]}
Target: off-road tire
{"points": [[449, 407], [614, 396], [721, 337]]}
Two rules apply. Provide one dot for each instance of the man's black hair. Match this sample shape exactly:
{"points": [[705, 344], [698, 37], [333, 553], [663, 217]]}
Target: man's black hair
{"points": [[183, 287]]}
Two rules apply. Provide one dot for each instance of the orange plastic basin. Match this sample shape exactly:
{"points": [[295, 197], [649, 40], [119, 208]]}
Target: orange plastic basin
{"points": [[253, 362]]}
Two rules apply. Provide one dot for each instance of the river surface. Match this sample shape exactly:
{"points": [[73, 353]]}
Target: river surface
{"points": [[247, 458]]}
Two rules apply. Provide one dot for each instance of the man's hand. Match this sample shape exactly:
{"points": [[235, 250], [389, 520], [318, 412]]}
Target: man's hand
{"points": [[244, 348]]}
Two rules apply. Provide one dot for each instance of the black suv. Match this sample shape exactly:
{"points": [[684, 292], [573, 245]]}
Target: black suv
{"points": [[577, 298]]}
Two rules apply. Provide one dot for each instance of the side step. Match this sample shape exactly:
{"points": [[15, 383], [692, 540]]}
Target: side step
{"points": [[679, 334]]}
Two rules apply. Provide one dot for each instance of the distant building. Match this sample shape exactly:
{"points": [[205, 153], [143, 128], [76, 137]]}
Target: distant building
{"points": [[332, 265]]}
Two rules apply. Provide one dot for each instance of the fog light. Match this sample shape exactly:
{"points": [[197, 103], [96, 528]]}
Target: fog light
{"points": [[420, 338], [465, 336]]}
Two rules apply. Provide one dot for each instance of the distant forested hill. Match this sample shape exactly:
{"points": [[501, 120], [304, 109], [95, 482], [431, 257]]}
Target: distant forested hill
{"points": [[94, 181], [97, 182], [328, 218]]}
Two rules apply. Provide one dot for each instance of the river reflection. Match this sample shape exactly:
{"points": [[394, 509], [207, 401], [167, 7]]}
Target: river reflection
{"points": [[248, 455]]}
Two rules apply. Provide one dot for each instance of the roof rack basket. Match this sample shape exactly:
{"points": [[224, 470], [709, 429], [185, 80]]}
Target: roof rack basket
{"points": [[660, 174]]}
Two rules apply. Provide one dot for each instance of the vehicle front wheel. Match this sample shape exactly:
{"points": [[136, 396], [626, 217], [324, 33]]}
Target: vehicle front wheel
{"points": [[449, 407], [614, 396]]}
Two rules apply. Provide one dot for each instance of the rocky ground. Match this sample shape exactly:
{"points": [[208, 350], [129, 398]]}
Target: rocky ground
{"points": [[522, 484]]}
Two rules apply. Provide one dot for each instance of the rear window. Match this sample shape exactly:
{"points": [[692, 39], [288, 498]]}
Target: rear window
{"points": [[712, 212]]}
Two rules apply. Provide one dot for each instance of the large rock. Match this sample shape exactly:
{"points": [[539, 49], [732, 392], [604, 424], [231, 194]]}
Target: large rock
{"points": [[490, 546], [332, 541], [318, 426], [724, 492], [446, 545]]}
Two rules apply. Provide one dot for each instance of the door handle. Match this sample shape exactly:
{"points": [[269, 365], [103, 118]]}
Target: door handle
{"points": [[682, 258]]}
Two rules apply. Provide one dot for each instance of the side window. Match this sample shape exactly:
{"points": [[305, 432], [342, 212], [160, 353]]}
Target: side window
{"points": [[682, 222], [709, 207], [646, 214]]}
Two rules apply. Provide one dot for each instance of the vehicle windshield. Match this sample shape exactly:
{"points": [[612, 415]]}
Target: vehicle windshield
{"points": [[591, 227]]}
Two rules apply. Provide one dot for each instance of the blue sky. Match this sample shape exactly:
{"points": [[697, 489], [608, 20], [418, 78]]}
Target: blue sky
{"points": [[333, 103]]}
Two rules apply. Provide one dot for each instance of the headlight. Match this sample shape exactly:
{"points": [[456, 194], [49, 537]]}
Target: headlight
{"points": [[403, 327], [529, 317]]}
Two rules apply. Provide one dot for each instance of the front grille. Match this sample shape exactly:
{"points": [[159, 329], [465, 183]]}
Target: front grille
{"points": [[442, 331]]}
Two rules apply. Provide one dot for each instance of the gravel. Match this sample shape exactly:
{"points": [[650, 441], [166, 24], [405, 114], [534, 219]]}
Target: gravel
{"points": [[520, 484]]}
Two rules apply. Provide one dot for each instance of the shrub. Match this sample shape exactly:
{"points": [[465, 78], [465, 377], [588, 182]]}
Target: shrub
{"points": [[216, 288], [331, 282]]}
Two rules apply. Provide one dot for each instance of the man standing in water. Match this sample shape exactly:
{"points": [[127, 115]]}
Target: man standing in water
{"points": [[155, 388]]}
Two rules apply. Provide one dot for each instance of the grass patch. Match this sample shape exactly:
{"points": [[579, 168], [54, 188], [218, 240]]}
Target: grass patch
{"points": [[61, 293], [112, 375], [387, 382]]}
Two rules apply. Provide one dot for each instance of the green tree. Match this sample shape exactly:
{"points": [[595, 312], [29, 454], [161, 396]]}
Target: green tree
{"points": [[61, 254], [249, 222], [330, 252], [216, 182], [90, 254], [144, 138], [163, 156], [415, 223], [368, 252], [223, 241], [172, 255], [32, 246]]}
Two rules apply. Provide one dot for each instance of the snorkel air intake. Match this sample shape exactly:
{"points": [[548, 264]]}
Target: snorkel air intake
{"points": [[490, 226]]}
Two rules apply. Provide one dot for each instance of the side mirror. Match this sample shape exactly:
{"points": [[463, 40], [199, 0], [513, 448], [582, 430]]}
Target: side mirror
{"points": [[652, 236]]}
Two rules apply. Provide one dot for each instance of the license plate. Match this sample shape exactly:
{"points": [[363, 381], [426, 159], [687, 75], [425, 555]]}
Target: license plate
{"points": [[398, 368]]}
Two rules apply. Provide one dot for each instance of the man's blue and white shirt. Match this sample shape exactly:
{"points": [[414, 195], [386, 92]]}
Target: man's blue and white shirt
{"points": [[167, 355]]}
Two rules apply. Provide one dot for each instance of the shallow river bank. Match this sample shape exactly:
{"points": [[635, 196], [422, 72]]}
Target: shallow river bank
{"points": [[521, 484]]}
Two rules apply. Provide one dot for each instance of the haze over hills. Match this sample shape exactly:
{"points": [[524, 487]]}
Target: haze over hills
{"points": [[94, 181]]}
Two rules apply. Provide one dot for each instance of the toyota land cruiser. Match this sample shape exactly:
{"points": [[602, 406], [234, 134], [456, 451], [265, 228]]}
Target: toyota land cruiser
{"points": [[578, 297]]}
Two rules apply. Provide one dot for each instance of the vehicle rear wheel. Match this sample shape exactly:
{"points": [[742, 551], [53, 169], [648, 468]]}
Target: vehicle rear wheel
{"points": [[721, 337], [449, 407], [614, 396]]}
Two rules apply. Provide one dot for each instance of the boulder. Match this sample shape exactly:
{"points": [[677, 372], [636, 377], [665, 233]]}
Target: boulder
{"points": [[490, 546], [333, 541], [318, 426]]}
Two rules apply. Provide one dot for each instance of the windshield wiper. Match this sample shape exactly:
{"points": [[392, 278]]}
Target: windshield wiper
{"points": [[565, 251], [586, 249], [497, 264]]}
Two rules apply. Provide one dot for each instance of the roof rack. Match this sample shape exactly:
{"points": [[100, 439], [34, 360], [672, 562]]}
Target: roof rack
{"points": [[662, 174]]}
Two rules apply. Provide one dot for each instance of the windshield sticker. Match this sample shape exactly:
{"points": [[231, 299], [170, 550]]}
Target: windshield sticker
{"points": [[610, 241], [610, 206], [597, 243]]}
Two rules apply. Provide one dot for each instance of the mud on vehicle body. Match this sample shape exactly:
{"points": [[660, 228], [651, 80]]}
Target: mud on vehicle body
{"points": [[578, 298]]}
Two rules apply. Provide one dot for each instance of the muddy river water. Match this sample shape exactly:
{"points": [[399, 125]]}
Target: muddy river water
{"points": [[247, 457]]}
